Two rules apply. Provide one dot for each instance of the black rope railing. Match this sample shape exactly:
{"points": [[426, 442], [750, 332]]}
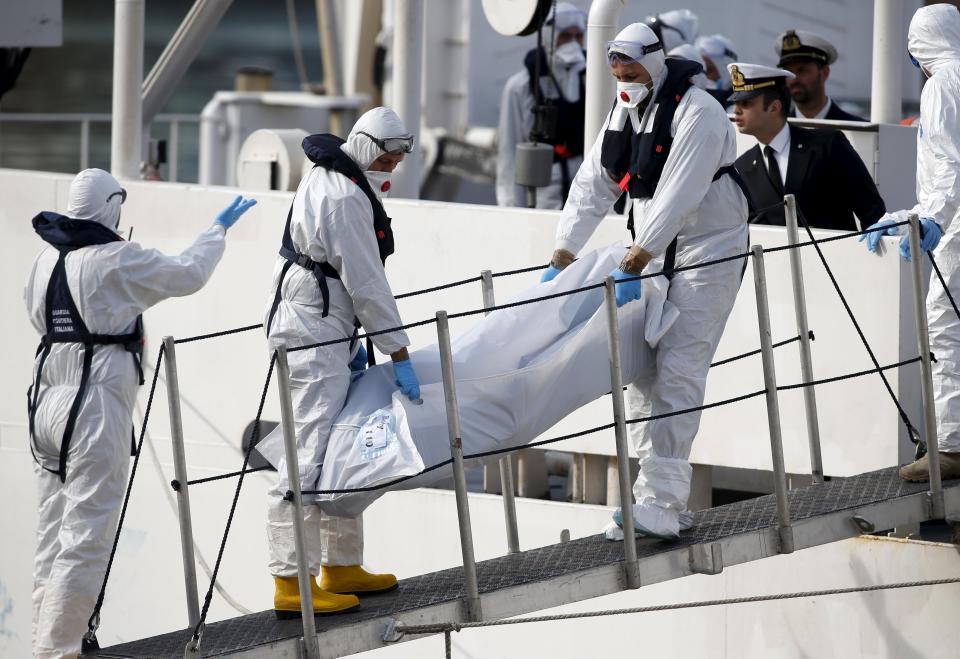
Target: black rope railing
{"points": [[89, 643], [911, 430], [752, 353], [208, 598], [609, 426], [209, 479], [441, 287], [943, 283], [216, 335]]}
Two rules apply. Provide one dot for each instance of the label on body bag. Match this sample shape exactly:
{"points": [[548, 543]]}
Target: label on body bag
{"points": [[376, 435]]}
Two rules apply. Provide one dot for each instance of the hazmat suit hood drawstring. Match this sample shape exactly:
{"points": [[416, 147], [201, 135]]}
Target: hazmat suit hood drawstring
{"points": [[934, 37]]}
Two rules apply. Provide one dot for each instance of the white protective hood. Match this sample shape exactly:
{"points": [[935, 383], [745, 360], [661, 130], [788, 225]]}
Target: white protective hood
{"points": [[380, 122], [692, 53], [722, 52], [88, 198], [934, 36], [685, 27], [566, 16], [519, 371]]}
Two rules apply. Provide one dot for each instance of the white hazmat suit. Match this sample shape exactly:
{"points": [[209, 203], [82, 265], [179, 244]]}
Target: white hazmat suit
{"points": [[332, 222], [516, 114], [934, 41], [111, 285], [709, 219]]}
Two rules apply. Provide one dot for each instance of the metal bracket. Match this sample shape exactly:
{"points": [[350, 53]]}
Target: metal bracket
{"points": [[935, 505], [192, 648], [706, 559], [862, 524], [785, 534], [390, 634]]}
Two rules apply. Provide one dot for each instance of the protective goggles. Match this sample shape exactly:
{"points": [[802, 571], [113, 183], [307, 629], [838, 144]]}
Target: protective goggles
{"points": [[122, 194], [628, 52], [392, 144], [913, 60]]}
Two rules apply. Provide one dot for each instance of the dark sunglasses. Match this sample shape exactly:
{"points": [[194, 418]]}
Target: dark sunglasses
{"points": [[123, 196]]}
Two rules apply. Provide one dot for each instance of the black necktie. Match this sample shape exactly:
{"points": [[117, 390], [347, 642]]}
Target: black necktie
{"points": [[773, 169]]}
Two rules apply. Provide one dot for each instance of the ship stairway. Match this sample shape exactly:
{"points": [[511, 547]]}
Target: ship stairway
{"points": [[555, 575]]}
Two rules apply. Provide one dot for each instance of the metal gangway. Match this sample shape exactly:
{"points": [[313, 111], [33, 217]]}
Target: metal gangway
{"points": [[495, 591]]}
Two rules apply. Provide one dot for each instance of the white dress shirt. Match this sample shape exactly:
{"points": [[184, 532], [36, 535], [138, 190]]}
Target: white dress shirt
{"points": [[820, 115], [781, 146]]}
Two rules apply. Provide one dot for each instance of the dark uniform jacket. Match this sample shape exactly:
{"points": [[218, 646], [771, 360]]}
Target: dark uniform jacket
{"points": [[824, 173], [837, 113]]}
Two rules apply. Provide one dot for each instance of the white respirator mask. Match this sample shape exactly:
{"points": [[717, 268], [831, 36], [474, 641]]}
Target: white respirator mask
{"points": [[629, 96], [380, 182], [570, 54], [632, 94]]}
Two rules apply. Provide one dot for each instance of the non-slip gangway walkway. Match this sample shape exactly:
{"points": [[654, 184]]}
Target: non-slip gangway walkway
{"points": [[560, 574], [526, 582]]}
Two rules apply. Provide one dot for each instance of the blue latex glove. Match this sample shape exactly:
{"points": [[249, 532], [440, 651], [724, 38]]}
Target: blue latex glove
{"points": [[406, 379], [359, 363], [628, 291], [930, 235], [873, 238], [549, 274], [229, 215]]}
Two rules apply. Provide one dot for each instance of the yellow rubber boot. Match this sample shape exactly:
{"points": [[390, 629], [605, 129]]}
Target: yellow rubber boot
{"points": [[286, 599], [354, 579]]}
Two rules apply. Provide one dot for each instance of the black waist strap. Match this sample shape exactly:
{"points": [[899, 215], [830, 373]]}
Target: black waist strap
{"points": [[670, 256], [320, 272]]}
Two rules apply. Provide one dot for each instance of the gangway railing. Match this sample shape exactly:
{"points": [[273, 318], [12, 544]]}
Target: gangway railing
{"points": [[472, 600]]}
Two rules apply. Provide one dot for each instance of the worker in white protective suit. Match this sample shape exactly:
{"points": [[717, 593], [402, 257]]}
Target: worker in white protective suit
{"points": [[717, 52], [671, 146], [84, 295], [675, 27], [562, 91], [692, 53], [933, 43], [328, 281]]}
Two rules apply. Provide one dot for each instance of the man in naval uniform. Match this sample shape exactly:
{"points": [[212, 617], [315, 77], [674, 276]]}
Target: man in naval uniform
{"points": [[808, 57], [816, 165]]}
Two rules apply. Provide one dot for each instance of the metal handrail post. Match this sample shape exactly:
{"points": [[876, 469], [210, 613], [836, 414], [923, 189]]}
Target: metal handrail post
{"points": [[506, 462], [474, 612], [182, 489], [803, 328], [84, 144], [311, 646], [926, 371], [173, 151], [631, 567], [773, 404]]}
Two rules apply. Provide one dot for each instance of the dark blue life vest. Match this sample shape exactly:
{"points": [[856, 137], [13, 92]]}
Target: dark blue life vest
{"points": [[324, 151], [565, 129], [567, 137], [64, 324]]}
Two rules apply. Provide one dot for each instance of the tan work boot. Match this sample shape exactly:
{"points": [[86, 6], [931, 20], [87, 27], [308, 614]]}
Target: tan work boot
{"points": [[286, 599], [355, 580], [919, 471]]}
